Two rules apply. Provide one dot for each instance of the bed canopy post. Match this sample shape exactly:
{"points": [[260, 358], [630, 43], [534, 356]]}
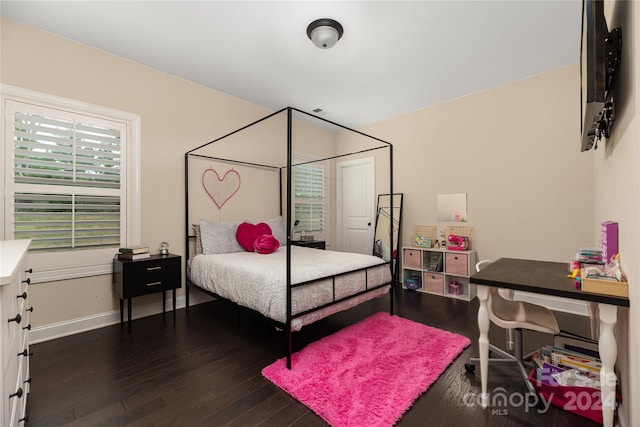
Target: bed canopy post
{"points": [[288, 257], [186, 229], [393, 279]]}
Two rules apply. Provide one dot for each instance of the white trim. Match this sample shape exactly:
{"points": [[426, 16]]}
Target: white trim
{"points": [[101, 320], [49, 267], [28, 96], [41, 276]]}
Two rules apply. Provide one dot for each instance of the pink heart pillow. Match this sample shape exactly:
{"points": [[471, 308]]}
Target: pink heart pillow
{"points": [[247, 233]]}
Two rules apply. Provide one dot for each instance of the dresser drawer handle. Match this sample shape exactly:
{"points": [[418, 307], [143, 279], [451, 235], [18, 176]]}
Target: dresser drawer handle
{"points": [[154, 283], [154, 268], [16, 394], [16, 319], [22, 295], [26, 353]]}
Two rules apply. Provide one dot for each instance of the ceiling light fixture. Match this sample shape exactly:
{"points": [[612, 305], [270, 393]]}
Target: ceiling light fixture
{"points": [[324, 32]]}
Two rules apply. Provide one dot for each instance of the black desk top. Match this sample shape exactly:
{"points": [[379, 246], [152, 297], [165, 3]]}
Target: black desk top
{"points": [[540, 277]]}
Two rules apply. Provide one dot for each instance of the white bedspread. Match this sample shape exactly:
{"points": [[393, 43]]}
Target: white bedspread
{"points": [[258, 281]]}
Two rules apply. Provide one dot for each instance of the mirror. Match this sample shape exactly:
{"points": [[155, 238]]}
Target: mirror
{"points": [[387, 237], [452, 207]]}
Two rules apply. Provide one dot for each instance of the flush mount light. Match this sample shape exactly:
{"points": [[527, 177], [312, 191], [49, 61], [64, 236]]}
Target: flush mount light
{"points": [[324, 32]]}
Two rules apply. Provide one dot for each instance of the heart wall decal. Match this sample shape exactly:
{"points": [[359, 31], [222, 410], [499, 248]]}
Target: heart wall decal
{"points": [[220, 190]]}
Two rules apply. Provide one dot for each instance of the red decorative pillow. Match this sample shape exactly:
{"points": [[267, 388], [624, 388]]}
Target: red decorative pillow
{"points": [[266, 244], [247, 233]]}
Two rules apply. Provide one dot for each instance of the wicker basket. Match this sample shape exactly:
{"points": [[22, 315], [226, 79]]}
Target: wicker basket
{"points": [[459, 230], [424, 236]]}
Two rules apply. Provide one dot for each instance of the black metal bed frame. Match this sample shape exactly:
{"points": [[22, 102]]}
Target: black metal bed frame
{"points": [[286, 327]]}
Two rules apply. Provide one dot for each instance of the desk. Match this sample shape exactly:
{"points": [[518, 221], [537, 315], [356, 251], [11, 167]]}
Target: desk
{"points": [[549, 278]]}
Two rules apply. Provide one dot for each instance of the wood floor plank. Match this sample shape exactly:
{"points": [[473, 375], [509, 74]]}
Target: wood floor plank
{"points": [[205, 369]]}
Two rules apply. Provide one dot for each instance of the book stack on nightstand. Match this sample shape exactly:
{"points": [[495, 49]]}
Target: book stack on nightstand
{"points": [[133, 253]]}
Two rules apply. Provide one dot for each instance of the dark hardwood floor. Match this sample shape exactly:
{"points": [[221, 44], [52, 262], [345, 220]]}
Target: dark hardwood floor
{"points": [[204, 370]]}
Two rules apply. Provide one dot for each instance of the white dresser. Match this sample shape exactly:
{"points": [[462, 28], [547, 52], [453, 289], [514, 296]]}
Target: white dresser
{"points": [[14, 335]]}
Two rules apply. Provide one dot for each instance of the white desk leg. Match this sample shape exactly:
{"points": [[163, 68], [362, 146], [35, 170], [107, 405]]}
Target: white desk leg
{"points": [[608, 354], [483, 341], [592, 309]]}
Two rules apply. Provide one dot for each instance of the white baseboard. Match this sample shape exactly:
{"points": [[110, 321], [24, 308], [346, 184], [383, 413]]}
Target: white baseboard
{"points": [[82, 324]]}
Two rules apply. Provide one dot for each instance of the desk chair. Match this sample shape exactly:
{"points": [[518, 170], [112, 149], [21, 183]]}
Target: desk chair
{"points": [[504, 293], [514, 316]]}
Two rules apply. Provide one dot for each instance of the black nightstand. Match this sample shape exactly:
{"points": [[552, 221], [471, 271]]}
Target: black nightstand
{"points": [[159, 273], [318, 244]]}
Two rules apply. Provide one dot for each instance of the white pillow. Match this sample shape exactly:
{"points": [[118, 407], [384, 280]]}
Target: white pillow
{"points": [[277, 229], [219, 237]]}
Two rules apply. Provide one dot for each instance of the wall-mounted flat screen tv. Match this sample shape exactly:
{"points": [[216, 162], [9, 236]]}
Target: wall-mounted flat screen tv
{"points": [[599, 58]]}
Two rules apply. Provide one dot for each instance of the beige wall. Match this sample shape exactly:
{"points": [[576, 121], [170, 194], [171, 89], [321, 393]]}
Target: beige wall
{"points": [[176, 115], [513, 149], [616, 191]]}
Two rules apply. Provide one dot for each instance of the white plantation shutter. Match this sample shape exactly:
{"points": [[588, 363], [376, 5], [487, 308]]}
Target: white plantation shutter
{"points": [[57, 222], [64, 155], [70, 182], [309, 188], [55, 151]]}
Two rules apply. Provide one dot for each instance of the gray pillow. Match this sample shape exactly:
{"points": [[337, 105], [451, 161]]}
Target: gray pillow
{"points": [[277, 229], [198, 244], [219, 237]]}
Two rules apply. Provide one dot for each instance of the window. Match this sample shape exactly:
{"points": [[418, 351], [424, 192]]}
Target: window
{"points": [[68, 182], [311, 197]]}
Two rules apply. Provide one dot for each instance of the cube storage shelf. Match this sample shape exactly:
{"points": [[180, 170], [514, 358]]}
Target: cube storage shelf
{"points": [[440, 271]]}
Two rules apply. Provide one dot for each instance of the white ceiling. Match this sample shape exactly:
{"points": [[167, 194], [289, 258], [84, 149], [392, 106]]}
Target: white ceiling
{"points": [[395, 56]]}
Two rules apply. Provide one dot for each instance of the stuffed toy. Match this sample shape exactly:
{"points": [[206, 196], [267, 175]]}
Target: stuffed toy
{"points": [[266, 244]]}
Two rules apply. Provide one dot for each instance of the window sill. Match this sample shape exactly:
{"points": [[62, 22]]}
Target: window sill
{"points": [[42, 276]]}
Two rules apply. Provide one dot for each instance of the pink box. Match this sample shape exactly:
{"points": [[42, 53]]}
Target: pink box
{"points": [[608, 240], [455, 288]]}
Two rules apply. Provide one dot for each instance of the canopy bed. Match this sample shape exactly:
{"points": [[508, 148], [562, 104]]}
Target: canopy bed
{"points": [[241, 248]]}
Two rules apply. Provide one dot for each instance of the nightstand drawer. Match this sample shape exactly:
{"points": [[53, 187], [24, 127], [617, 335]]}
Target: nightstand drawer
{"points": [[317, 244], [142, 277]]}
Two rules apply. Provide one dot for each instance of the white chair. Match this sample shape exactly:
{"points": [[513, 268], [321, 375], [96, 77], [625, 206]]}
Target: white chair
{"points": [[504, 293], [514, 316]]}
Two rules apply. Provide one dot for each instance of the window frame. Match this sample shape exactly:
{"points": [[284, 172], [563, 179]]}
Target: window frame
{"points": [[52, 266], [300, 157]]}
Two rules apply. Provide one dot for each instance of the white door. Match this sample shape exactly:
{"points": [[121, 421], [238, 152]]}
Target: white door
{"points": [[355, 205]]}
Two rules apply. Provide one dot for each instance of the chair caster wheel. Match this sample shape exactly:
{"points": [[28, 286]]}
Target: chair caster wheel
{"points": [[470, 368]]}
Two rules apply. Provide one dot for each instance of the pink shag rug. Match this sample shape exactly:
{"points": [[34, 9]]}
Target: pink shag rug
{"points": [[370, 373]]}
